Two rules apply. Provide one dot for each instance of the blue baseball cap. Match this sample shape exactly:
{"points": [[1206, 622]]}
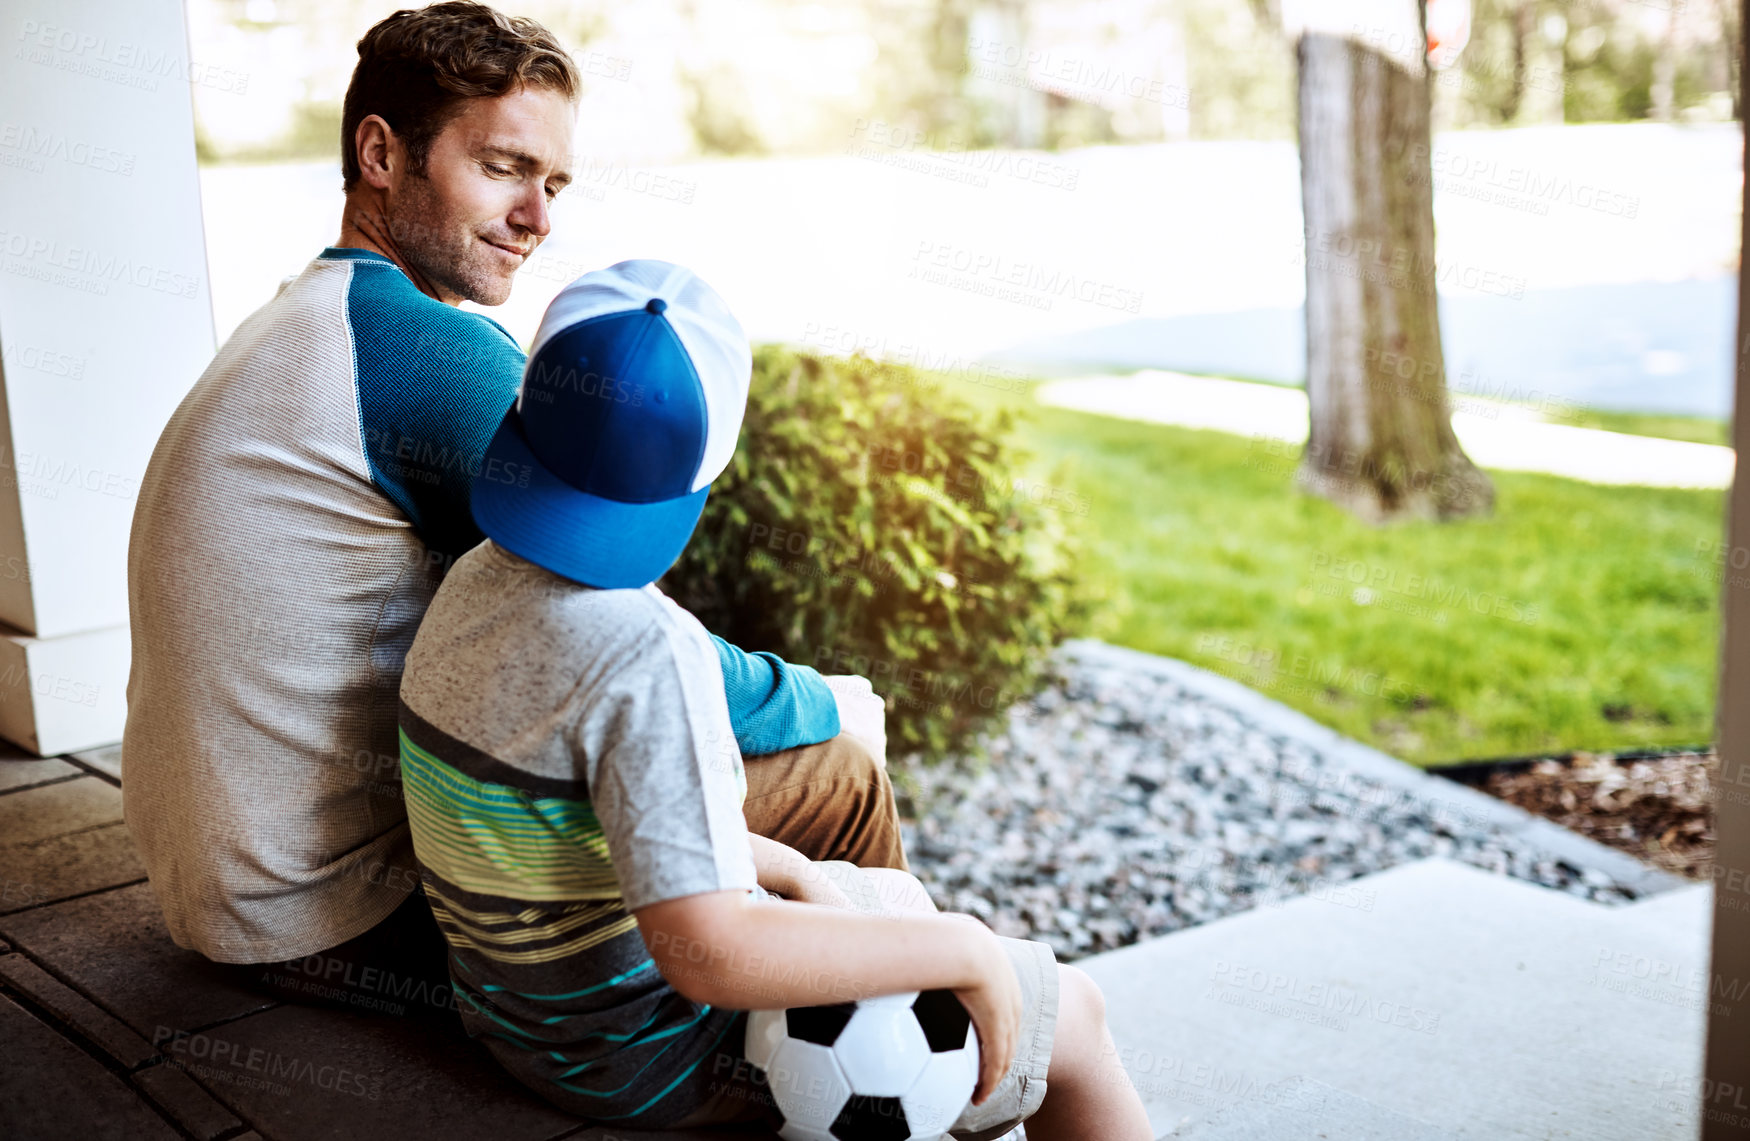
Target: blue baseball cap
{"points": [[630, 406]]}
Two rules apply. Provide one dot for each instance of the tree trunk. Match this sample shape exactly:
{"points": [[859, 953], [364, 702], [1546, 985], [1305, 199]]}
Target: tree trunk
{"points": [[1662, 91], [1524, 27], [1542, 98], [1732, 42], [1381, 441]]}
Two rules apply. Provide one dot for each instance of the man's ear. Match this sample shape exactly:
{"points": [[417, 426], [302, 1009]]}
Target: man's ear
{"points": [[380, 153]]}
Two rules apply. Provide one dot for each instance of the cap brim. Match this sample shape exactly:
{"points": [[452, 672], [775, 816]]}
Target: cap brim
{"points": [[526, 509]]}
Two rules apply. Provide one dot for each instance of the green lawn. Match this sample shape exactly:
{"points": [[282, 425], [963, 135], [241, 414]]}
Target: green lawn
{"points": [[1576, 617], [1695, 429]]}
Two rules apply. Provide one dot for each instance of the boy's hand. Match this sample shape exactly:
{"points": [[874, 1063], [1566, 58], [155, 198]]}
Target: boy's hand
{"points": [[996, 1007]]}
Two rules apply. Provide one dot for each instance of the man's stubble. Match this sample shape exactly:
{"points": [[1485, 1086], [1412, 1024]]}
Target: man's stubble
{"points": [[444, 247]]}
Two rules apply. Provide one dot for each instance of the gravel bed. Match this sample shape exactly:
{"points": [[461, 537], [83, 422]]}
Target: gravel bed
{"points": [[1118, 806]]}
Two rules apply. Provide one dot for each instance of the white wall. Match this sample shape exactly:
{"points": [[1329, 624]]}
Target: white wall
{"points": [[105, 315]]}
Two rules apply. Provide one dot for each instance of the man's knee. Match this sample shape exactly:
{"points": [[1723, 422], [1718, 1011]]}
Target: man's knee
{"points": [[841, 760], [856, 759], [829, 801], [854, 764], [875, 805], [900, 891]]}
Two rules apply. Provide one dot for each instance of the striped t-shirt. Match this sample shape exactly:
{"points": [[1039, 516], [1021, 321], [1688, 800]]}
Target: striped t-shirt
{"points": [[567, 759]]}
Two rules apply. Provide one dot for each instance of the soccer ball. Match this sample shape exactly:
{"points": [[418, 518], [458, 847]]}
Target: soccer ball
{"points": [[891, 1068]]}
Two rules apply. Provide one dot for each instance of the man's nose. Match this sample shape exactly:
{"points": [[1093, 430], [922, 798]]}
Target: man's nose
{"points": [[531, 213]]}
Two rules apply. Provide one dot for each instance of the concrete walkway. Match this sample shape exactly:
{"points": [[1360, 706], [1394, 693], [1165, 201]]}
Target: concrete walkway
{"points": [[1503, 436], [1455, 1004]]}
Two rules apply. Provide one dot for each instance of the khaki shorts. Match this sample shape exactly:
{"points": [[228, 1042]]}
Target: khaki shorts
{"points": [[737, 1096]]}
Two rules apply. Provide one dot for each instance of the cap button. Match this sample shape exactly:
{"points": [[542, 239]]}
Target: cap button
{"points": [[655, 305]]}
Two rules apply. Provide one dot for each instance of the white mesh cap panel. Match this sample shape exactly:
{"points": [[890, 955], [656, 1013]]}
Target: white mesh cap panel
{"points": [[709, 332]]}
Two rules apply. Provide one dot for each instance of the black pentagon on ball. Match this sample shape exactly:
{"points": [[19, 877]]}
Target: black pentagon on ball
{"points": [[866, 1118], [821, 1025], [943, 1018]]}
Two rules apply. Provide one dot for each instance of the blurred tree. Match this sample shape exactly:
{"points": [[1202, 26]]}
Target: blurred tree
{"points": [[1540, 37], [921, 71], [1381, 441], [1731, 32], [718, 114]]}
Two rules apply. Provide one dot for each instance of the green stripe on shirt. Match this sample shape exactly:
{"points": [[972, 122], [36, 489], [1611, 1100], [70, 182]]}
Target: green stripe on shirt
{"points": [[493, 840]]}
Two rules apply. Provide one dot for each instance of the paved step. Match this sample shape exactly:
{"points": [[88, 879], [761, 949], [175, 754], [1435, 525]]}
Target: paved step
{"points": [[50, 1089], [113, 948], [1481, 1006], [59, 839], [136, 1022], [302, 1072], [27, 772]]}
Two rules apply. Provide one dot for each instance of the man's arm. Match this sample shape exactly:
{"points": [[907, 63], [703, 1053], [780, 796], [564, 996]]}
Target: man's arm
{"points": [[787, 872], [433, 384], [774, 704]]}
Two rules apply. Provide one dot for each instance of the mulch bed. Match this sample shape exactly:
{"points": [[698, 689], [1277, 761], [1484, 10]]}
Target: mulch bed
{"points": [[1657, 807]]}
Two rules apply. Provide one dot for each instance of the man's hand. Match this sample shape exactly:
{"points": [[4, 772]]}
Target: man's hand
{"points": [[784, 871], [862, 713]]}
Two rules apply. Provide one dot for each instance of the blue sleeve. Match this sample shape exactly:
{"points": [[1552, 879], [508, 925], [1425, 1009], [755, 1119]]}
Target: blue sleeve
{"points": [[433, 383], [774, 704]]}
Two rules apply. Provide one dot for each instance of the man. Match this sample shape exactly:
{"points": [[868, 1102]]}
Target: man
{"points": [[307, 496]]}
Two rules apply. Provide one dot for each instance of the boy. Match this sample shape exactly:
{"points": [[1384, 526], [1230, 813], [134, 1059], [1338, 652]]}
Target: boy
{"points": [[574, 788]]}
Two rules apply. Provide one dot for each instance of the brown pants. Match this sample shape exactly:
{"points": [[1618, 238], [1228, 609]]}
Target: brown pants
{"points": [[831, 801]]}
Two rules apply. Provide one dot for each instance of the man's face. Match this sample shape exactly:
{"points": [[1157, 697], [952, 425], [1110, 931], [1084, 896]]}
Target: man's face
{"points": [[481, 207]]}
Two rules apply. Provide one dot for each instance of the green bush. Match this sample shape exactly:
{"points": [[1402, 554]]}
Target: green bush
{"points": [[870, 523]]}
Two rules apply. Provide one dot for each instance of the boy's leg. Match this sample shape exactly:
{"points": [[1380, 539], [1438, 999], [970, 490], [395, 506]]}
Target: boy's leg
{"points": [[1064, 1033], [1091, 1093], [831, 801]]}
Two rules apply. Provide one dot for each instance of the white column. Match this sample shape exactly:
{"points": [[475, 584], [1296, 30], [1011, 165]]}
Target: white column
{"points": [[105, 321]]}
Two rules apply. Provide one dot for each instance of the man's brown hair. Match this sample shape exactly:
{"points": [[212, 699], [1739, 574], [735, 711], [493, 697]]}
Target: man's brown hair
{"points": [[417, 67]]}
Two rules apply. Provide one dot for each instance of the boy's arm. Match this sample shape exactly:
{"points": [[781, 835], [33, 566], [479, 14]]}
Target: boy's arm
{"points": [[732, 950], [682, 854], [774, 704]]}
